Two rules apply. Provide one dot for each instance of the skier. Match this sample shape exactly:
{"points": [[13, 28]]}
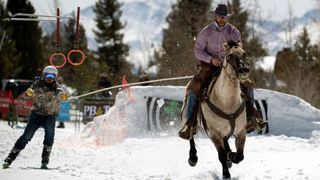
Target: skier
{"points": [[47, 95]]}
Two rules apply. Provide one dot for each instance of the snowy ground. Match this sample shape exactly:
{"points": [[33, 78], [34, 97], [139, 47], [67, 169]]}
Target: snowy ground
{"points": [[266, 157], [118, 146]]}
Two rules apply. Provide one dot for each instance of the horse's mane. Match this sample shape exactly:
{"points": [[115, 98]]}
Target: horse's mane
{"points": [[232, 44]]}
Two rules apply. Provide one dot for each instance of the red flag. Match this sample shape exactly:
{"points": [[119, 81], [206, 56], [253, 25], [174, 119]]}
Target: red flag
{"points": [[124, 85]]}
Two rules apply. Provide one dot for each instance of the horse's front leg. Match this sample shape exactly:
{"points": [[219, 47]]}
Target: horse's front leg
{"points": [[193, 158], [223, 149], [238, 156], [222, 153]]}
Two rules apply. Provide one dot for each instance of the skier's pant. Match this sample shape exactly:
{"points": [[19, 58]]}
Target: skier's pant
{"points": [[34, 122]]}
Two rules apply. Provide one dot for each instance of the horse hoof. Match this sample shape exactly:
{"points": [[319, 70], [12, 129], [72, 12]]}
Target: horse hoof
{"points": [[193, 162], [226, 175]]}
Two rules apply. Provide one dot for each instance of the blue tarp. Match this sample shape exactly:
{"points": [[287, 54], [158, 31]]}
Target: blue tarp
{"points": [[64, 114]]}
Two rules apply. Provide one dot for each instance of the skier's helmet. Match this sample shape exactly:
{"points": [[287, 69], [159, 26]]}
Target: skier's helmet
{"points": [[50, 72]]}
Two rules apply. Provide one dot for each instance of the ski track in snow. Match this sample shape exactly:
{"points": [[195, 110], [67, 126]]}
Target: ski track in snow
{"points": [[74, 157]]}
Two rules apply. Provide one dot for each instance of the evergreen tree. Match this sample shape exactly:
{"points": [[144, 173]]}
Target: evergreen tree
{"points": [[252, 45], [308, 55], [27, 35], [9, 57], [185, 21], [112, 51]]}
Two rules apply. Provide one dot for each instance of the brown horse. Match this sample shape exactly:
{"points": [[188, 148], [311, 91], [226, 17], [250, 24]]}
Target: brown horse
{"points": [[222, 113]]}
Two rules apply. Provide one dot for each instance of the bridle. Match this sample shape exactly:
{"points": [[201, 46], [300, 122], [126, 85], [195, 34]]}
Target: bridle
{"points": [[240, 65]]}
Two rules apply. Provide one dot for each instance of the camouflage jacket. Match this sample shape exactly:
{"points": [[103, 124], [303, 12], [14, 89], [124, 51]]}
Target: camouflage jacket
{"points": [[45, 101]]}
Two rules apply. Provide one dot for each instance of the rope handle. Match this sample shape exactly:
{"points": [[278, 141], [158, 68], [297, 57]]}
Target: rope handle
{"points": [[58, 53], [76, 44]]}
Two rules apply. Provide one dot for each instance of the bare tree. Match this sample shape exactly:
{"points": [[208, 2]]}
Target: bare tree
{"points": [[288, 25], [255, 16]]}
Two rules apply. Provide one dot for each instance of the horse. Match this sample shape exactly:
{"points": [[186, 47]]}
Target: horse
{"points": [[222, 112]]}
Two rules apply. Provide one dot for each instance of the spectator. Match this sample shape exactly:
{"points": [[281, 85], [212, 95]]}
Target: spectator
{"points": [[104, 83], [65, 106]]}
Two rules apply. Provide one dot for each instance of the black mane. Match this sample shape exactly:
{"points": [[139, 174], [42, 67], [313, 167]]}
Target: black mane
{"points": [[232, 44]]}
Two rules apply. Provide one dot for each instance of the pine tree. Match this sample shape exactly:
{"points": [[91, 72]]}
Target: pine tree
{"points": [[9, 57], [27, 35], [185, 21], [308, 55], [111, 51]]}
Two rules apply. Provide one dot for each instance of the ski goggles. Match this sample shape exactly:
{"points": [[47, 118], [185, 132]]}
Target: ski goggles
{"points": [[50, 76]]}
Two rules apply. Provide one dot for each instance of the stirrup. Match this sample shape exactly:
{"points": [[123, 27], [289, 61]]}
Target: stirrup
{"points": [[186, 132], [259, 124], [262, 124]]}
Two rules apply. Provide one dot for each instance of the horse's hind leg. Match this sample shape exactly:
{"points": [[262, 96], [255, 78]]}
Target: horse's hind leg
{"points": [[238, 157], [193, 158]]}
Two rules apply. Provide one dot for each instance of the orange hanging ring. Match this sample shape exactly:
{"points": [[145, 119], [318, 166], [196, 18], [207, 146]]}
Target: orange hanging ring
{"points": [[58, 54], [83, 57]]}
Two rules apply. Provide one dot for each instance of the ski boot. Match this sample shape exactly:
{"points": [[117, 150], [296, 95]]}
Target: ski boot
{"points": [[45, 157], [44, 166], [11, 157]]}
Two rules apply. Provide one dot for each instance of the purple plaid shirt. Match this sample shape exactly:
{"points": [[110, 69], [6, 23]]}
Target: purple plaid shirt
{"points": [[209, 43]]}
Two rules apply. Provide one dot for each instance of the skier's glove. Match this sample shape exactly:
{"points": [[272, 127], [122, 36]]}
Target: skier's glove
{"points": [[29, 92], [62, 96]]}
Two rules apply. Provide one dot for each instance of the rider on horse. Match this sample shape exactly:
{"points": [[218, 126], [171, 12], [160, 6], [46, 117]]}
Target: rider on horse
{"points": [[210, 52]]}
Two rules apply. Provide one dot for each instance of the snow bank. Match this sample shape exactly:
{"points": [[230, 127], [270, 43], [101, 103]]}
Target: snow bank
{"points": [[288, 115]]}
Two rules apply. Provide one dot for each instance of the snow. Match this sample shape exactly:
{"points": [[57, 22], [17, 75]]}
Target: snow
{"points": [[118, 145]]}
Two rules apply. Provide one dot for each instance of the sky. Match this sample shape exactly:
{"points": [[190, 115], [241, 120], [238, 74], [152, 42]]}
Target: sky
{"points": [[117, 145], [278, 9], [274, 9]]}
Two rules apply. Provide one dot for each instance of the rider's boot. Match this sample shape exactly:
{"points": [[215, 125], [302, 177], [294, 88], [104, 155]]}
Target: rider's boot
{"points": [[188, 117], [254, 119]]}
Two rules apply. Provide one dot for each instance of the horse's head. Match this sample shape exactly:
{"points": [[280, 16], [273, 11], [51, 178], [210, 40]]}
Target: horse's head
{"points": [[238, 59]]}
